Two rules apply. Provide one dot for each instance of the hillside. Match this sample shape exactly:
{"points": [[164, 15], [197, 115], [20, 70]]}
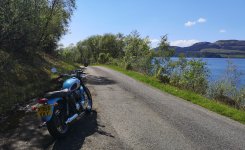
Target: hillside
{"points": [[221, 48], [23, 77]]}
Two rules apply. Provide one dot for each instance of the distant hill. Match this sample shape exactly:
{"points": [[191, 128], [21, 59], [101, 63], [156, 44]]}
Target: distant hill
{"points": [[221, 48]]}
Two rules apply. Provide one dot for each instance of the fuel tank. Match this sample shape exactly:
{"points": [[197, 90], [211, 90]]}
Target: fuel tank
{"points": [[71, 84]]}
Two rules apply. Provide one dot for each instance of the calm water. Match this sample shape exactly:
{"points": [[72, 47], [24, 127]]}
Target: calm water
{"points": [[218, 66]]}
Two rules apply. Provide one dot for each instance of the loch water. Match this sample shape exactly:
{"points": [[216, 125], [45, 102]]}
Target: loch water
{"points": [[218, 67]]}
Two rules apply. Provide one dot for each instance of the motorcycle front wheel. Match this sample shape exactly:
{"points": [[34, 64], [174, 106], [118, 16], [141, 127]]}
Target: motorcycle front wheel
{"points": [[88, 100]]}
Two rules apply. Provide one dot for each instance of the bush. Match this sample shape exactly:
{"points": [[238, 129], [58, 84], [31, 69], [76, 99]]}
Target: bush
{"points": [[195, 76], [225, 89], [241, 98], [222, 91], [142, 65], [190, 75], [175, 79], [114, 62], [128, 66], [164, 78], [103, 58], [70, 54]]}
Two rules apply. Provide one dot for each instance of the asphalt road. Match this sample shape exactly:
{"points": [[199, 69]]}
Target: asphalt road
{"points": [[131, 115], [146, 118]]}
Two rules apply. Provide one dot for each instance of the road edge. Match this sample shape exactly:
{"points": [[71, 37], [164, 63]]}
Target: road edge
{"points": [[212, 105]]}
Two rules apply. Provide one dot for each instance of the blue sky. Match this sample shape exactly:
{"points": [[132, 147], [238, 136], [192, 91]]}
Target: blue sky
{"points": [[185, 21]]}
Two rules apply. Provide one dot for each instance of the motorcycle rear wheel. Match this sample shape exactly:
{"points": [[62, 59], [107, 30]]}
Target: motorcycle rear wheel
{"points": [[57, 126]]}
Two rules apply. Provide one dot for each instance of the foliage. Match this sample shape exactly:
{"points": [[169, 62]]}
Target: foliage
{"points": [[179, 67], [161, 76], [128, 66], [29, 26], [23, 79], [103, 58], [69, 54], [164, 52], [91, 47], [195, 76], [225, 89], [240, 98], [137, 52], [136, 47], [190, 75], [162, 67], [29, 29]]}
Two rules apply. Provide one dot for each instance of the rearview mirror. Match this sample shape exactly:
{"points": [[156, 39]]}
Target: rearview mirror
{"points": [[54, 70]]}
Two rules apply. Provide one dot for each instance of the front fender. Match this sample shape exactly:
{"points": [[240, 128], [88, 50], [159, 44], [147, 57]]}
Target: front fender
{"points": [[50, 102]]}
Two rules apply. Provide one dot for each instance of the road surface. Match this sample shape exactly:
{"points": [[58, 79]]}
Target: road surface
{"points": [[131, 115]]}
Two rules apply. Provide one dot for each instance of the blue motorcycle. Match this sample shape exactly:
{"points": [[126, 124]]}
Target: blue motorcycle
{"points": [[58, 109]]}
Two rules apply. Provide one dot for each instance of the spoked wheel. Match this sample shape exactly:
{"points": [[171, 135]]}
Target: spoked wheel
{"points": [[88, 101], [57, 126]]}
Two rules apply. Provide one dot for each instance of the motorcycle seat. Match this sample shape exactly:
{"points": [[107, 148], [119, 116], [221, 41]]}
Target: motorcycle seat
{"points": [[56, 94]]}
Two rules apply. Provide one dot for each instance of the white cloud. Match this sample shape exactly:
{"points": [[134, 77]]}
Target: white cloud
{"points": [[154, 42], [222, 30], [183, 43], [202, 20], [190, 23]]}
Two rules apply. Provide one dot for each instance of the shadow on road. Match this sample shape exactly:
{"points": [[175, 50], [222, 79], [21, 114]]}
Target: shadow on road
{"points": [[28, 136], [79, 131], [98, 80]]}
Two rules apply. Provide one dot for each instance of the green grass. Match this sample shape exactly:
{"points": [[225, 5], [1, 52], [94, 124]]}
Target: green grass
{"points": [[220, 108], [27, 77]]}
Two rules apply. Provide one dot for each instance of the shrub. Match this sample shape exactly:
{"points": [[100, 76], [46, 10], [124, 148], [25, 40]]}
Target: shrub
{"points": [[195, 76], [225, 89], [191, 75], [128, 66], [103, 58], [115, 62], [222, 91], [241, 98], [143, 64], [175, 79], [161, 76]]}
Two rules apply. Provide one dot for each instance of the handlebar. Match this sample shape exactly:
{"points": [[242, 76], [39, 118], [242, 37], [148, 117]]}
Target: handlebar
{"points": [[74, 73], [78, 73]]}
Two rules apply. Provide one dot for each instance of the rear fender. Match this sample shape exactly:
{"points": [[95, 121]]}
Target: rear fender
{"points": [[50, 102]]}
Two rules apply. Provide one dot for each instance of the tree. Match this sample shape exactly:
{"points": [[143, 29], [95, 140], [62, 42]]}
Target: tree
{"points": [[91, 47], [137, 52], [29, 26], [164, 53], [112, 44], [135, 46], [70, 53]]}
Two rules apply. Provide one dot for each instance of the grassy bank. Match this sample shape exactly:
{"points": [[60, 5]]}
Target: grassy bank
{"points": [[26, 77], [212, 105]]}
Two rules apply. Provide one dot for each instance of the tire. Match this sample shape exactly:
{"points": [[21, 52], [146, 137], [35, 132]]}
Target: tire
{"points": [[90, 101], [58, 119]]}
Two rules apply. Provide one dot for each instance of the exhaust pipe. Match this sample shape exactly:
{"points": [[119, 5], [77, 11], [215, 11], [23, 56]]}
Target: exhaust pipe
{"points": [[42, 125], [69, 120]]}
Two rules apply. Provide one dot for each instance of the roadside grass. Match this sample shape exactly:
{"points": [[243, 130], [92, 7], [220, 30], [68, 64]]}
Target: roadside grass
{"points": [[215, 106], [25, 78]]}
